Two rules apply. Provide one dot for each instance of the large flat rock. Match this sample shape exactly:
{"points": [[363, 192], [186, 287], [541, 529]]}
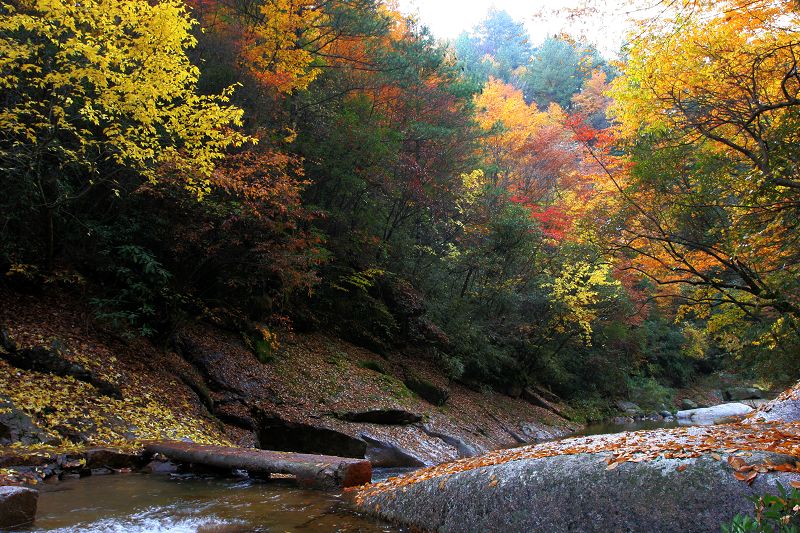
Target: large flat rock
{"points": [[688, 479], [576, 493], [714, 414]]}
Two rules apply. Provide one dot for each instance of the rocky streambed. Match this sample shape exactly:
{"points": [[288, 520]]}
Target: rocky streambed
{"points": [[689, 479], [563, 470]]}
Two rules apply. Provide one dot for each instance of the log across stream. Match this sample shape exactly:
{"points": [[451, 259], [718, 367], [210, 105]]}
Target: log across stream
{"points": [[313, 471]]}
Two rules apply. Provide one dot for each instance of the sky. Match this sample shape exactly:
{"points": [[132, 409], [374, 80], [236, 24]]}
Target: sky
{"points": [[448, 18]]}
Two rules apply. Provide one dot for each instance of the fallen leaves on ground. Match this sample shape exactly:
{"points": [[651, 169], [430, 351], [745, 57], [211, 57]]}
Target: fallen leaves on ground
{"points": [[635, 446]]}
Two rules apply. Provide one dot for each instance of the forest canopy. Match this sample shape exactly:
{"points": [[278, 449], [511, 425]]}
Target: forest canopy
{"points": [[520, 207]]}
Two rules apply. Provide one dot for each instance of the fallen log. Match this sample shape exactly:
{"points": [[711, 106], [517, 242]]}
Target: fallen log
{"points": [[317, 471]]}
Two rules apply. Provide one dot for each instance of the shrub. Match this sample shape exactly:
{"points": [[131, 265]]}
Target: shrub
{"points": [[773, 514], [648, 393]]}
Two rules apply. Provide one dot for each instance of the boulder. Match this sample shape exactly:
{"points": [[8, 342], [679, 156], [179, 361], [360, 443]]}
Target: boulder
{"points": [[53, 361], [742, 393], [402, 299], [579, 485], [687, 404], [381, 416], [160, 467], [422, 330], [14, 457], [629, 408], [785, 407], [714, 415], [99, 458], [16, 426], [17, 506], [382, 453], [576, 493], [275, 433]]}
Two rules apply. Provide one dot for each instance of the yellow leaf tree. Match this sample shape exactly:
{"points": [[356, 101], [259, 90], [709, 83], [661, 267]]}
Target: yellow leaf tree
{"points": [[96, 89], [708, 109]]}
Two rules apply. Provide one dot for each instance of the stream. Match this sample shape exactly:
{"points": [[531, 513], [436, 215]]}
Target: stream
{"points": [[153, 503], [139, 503]]}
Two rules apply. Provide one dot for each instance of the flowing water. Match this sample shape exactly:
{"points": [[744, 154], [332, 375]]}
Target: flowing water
{"points": [[152, 503], [139, 503], [603, 428]]}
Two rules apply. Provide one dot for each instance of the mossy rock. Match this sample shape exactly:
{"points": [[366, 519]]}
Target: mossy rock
{"points": [[428, 391], [374, 366]]}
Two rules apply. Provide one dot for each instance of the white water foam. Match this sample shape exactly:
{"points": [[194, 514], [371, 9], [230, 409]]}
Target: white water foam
{"points": [[153, 521]]}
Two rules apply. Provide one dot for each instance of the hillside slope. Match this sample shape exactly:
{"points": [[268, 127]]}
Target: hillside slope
{"points": [[68, 382]]}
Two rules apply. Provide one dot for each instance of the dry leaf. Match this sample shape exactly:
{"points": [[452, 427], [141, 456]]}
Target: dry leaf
{"points": [[681, 468], [748, 478], [612, 466], [737, 463], [716, 457], [794, 484]]}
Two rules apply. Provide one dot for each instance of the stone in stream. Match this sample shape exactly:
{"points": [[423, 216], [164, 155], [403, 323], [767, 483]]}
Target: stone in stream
{"points": [[785, 407], [715, 414], [17, 506], [629, 408], [159, 467], [98, 458]]}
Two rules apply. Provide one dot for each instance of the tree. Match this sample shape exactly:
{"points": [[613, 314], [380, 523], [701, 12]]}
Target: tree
{"points": [[708, 108], [97, 91], [557, 71], [531, 152], [498, 46]]}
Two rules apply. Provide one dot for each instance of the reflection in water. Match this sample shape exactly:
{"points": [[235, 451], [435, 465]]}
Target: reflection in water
{"points": [[141, 503], [609, 427]]}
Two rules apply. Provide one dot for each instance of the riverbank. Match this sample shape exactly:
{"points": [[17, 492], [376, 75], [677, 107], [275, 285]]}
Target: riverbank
{"points": [[90, 388]]}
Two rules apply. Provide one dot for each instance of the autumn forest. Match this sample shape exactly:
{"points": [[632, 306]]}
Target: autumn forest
{"points": [[604, 227]]}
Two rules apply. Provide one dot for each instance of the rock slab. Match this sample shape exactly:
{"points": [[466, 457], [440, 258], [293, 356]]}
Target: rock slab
{"points": [[715, 414], [572, 493], [17, 506]]}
